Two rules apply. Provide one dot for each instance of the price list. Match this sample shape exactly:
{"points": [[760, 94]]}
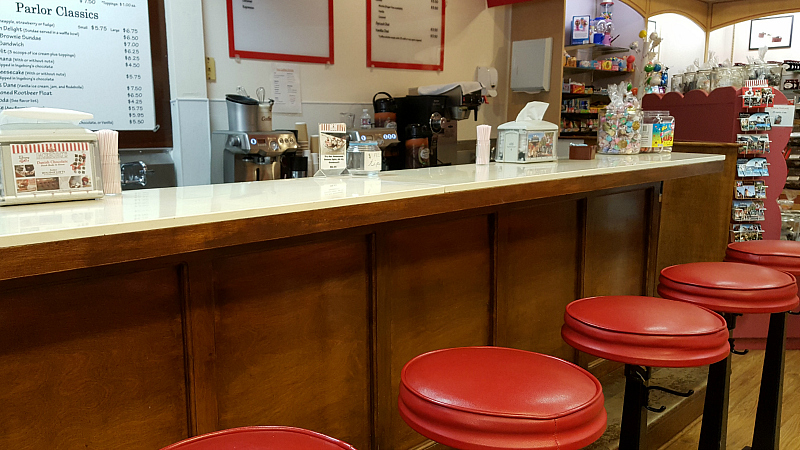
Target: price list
{"points": [[84, 55], [406, 34]]}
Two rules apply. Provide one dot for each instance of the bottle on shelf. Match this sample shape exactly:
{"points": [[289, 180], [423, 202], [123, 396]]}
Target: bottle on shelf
{"points": [[366, 119]]}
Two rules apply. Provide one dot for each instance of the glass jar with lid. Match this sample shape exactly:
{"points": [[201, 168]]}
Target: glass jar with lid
{"points": [[658, 132], [770, 72], [676, 84], [724, 77], [689, 81], [738, 74], [364, 159], [703, 80]]}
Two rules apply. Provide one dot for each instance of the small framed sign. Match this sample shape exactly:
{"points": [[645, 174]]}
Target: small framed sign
{"points": [[772, 32], [580, 30]]}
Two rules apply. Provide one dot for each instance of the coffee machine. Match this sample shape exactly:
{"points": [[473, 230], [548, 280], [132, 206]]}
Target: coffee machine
{"points": [[247, 153], [251, 156], [439, 110]]}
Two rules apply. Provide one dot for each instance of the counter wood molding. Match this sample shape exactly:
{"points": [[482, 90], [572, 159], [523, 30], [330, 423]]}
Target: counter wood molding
{"points": [[135, 225], [138, 321]]}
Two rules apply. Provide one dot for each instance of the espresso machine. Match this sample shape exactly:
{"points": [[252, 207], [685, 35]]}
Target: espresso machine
{"points": [[438, 109], [251, 155], [245, 153]]}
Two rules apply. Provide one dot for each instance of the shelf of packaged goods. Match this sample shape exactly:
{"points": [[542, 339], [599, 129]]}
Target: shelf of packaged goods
{"points": [[596, 72], [580, 113], [567, 95], [597, 48]]}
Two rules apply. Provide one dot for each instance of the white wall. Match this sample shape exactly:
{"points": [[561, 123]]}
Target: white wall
{"points": [[682, 42], [733, 42], [474, 36]]}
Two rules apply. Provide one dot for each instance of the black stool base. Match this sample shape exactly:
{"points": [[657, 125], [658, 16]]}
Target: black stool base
{"points": [[633, 426], [714, 428], [767, 432]]}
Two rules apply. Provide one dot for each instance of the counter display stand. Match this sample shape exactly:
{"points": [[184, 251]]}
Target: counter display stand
{"points": [[715, 117]]}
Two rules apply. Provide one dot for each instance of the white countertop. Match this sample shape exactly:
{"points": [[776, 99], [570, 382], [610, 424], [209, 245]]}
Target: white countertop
{"points": [[192, 205]]}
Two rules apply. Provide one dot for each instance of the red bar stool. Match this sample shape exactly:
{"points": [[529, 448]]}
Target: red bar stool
{"points": [[783, 256], [261, 438], [494, 398], [733, 289], [644, 332]]}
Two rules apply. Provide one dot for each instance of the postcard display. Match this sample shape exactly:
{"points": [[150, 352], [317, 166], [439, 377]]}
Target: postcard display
{"points": [[742, 117]]}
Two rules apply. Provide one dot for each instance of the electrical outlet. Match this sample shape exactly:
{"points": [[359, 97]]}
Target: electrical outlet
{"points": [[211, 69]]}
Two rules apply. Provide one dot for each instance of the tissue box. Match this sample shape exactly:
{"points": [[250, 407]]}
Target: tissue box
{"points": [[527, 139]]}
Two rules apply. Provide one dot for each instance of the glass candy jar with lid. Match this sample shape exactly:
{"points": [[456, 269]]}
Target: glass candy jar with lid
{"points": [[689, 81], [770, 72], [703, 79], [676, 84]]}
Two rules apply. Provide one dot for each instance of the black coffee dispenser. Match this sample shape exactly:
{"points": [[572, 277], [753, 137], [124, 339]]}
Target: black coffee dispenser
{"points": [[417, 112]]}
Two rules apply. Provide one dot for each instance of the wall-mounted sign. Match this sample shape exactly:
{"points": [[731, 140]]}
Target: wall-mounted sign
{"points": [[405, 34], [80, 55], [280, 30]]}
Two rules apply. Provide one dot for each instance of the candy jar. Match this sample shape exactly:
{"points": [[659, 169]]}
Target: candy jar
{"points": [[620, 123], [677, 83], [703, 80]]}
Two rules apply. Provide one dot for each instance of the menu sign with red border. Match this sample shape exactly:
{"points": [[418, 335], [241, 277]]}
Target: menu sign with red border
{"points": [[405, 34]]}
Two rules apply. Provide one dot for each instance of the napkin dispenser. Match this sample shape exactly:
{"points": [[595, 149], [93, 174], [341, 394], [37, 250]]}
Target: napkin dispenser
{"points": [[45, 156], [529, 138]]}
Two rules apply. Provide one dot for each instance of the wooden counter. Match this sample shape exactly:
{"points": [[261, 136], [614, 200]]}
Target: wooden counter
{"points": [[136, 322]]}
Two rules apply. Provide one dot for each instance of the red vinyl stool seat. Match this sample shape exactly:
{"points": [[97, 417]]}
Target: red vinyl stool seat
{"points": [[645, 331], [735, 288], [493, 398], [778, 255], [730, 287], [261, 438]]}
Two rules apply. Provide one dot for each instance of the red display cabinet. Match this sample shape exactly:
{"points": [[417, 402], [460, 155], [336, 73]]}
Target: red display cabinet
{"points": [[715, 117]]}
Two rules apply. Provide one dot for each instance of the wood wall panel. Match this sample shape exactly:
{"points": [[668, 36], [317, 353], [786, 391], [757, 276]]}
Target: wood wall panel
{"points": [[292, 338], [93, 363], [685, 199], [617, 229], [435, 291], [538, 275]]}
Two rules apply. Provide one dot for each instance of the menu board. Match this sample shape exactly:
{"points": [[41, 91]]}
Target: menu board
{"points": [[84, 55], [405, 34], [281, 30]]}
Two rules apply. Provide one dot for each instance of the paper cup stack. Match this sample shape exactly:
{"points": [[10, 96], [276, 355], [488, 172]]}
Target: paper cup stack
{"points": [[108, 140], [482, 146]]}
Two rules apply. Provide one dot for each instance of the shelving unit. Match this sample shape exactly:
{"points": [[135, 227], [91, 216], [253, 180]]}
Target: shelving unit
{"points": [[588, 76]]}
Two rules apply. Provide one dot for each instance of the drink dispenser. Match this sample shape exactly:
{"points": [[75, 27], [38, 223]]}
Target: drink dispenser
{"points": [[385, 111]]}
